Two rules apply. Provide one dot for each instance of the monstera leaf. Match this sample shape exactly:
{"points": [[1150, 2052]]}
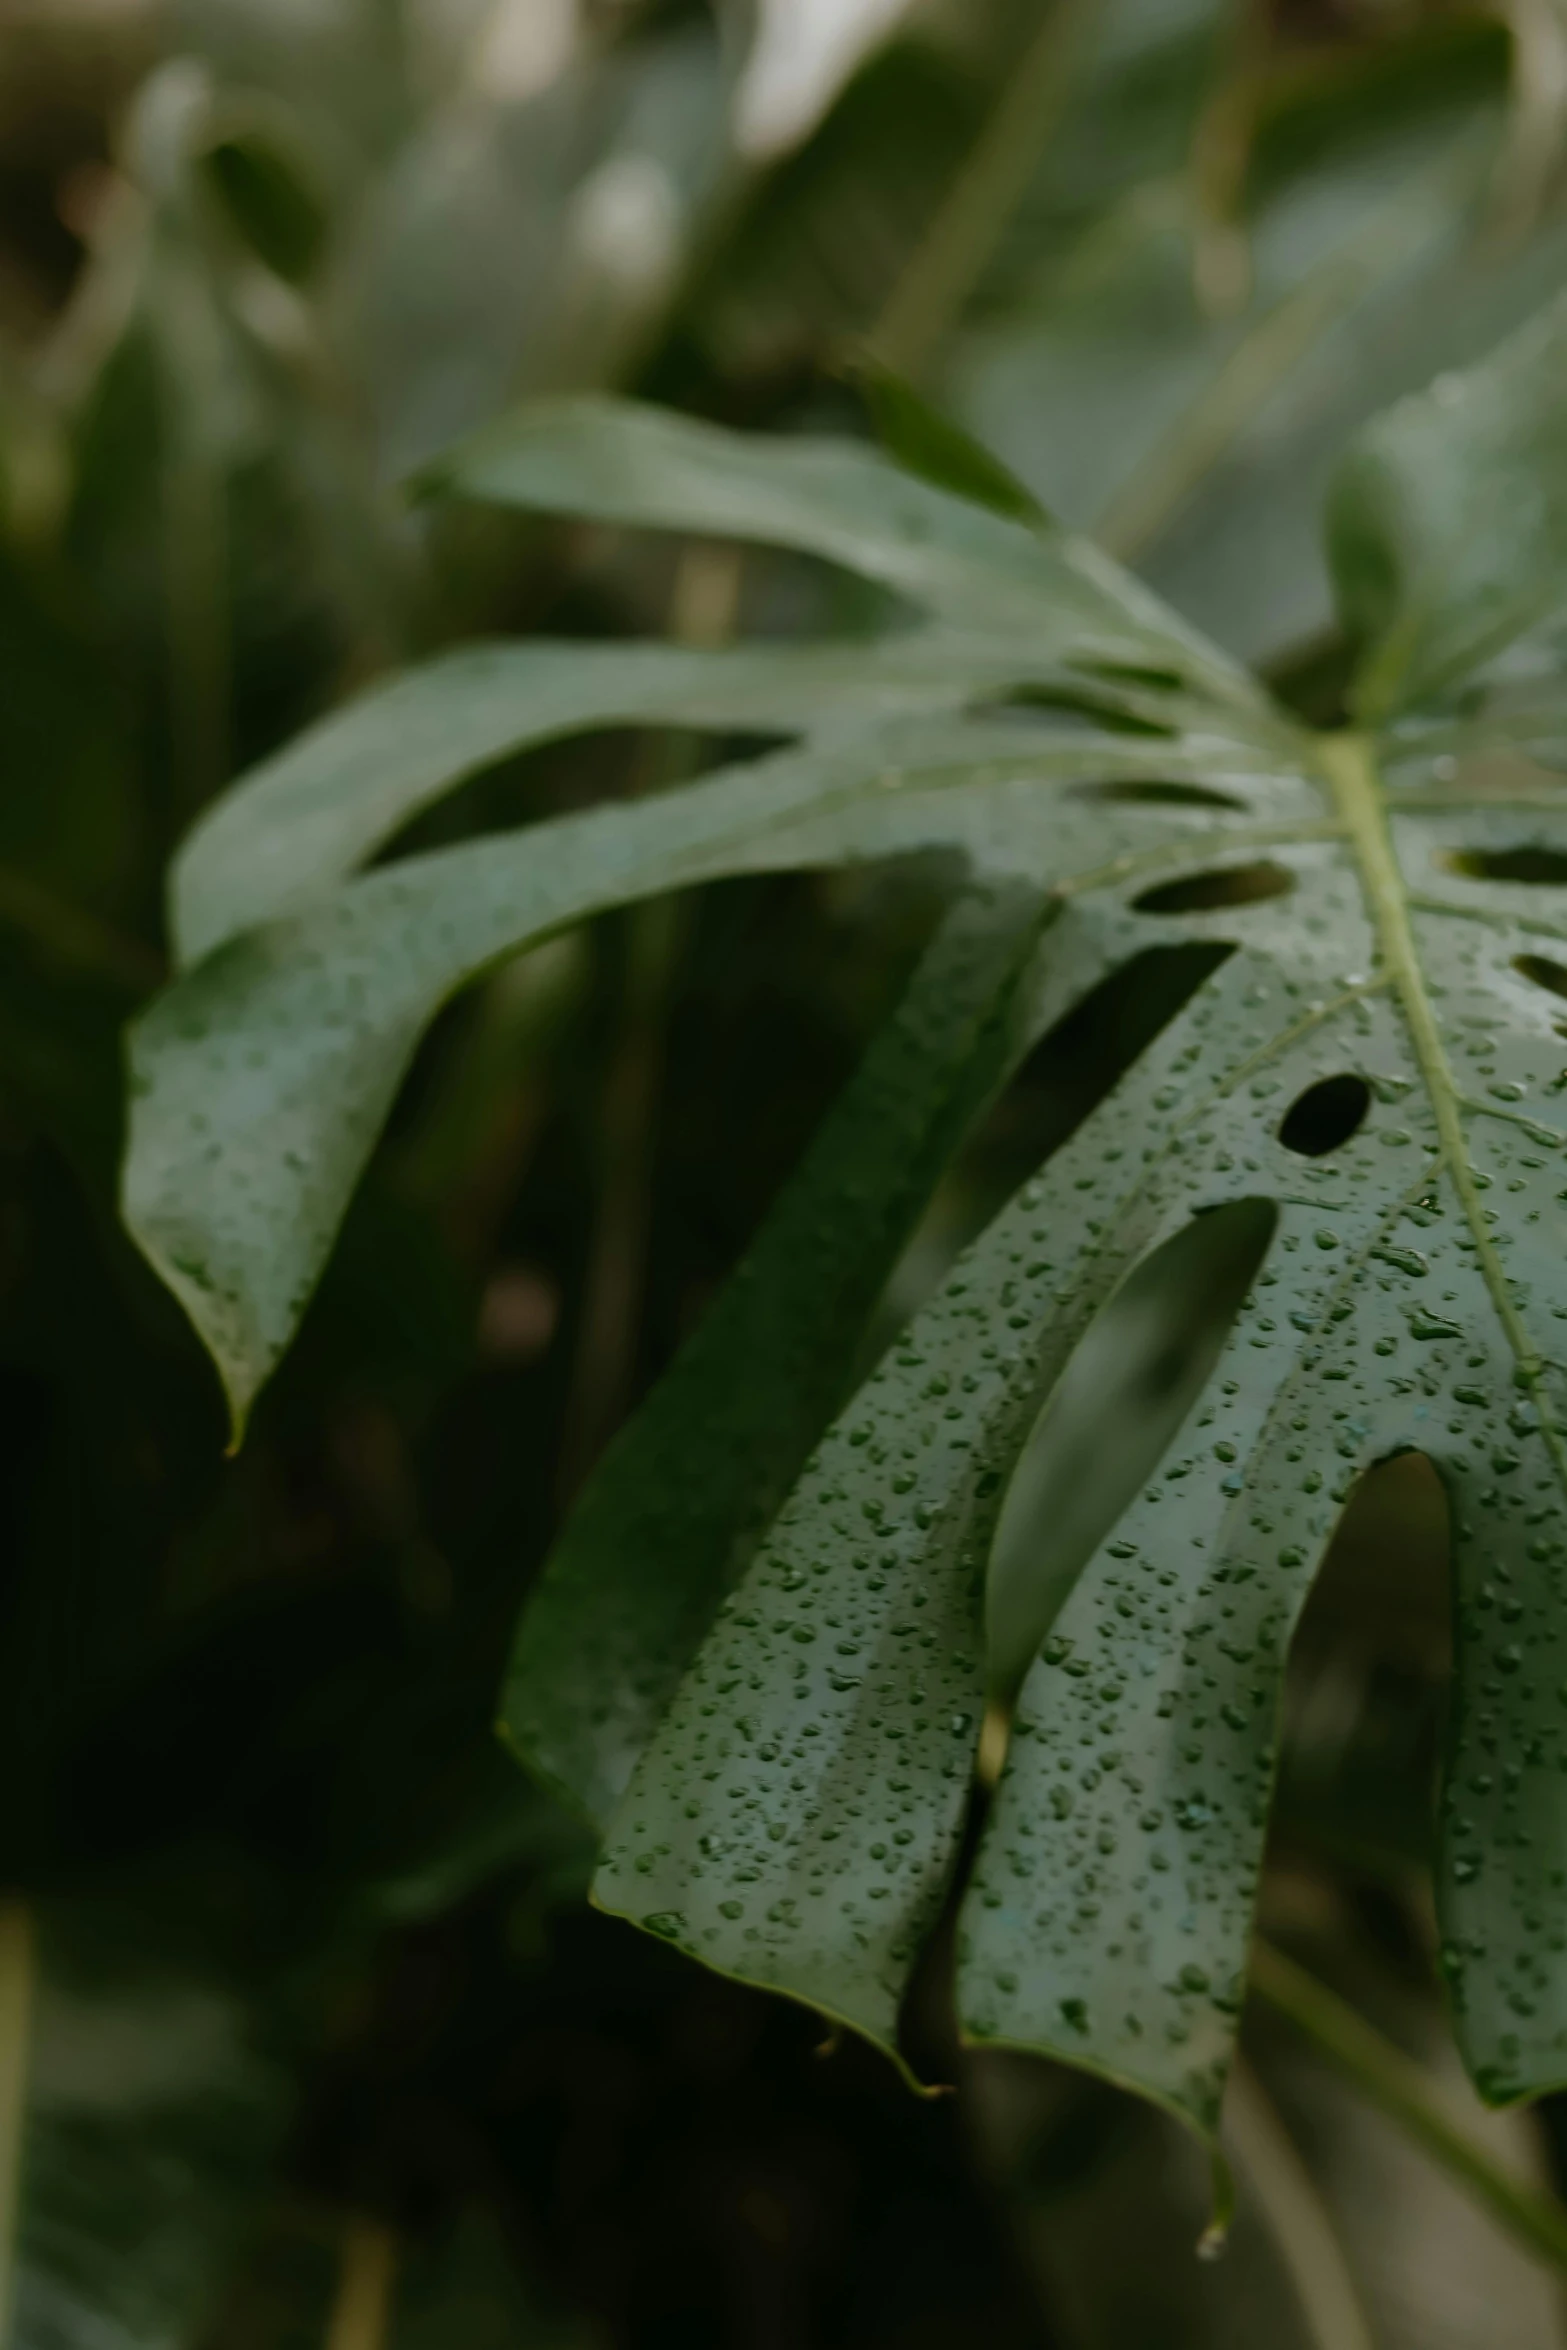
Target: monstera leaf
{"points": [[1319, 1221]]}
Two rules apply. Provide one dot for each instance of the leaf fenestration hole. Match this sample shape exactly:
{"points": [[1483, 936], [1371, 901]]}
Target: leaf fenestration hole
{"points": [[1033, 705], [597, 762], [1324, 1117], [1370, 1660], [1160, 681], [1156, 793], [1134, 1376], [1543, 972], [1219, 885], [1530, 863], [1065, 1077]]}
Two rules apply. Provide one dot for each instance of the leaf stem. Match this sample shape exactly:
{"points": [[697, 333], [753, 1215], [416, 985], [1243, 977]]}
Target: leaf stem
{"points": [[706, 601], [951, 257], [1398, 2086], [1349, 763], [1298, 2220], [367, 2270], [1263, 358]]}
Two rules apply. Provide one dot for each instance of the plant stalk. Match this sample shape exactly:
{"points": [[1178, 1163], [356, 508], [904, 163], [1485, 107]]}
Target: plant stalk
{"points": [[1398, 2086], [367, 2272], [951, 257], [1297, 2218], [706, 599]]}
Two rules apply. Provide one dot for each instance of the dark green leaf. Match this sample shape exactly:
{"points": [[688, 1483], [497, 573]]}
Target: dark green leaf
{"points": [[270, 201], [1377, 1066], [673, 1513], [926, 443]]}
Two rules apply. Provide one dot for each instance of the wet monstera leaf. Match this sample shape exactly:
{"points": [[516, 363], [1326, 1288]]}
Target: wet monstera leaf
{"points": [[1320, 1220]]}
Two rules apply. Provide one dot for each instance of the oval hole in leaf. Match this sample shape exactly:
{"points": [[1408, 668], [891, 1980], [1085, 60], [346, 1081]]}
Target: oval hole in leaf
{"points": [[510, 790], [1543, 972], [1160, 681], [1155, 793], [1031, 705], [1220, 885], [1529, 863], [1063, 1080], [1325, 1116], [1135, 1375]]}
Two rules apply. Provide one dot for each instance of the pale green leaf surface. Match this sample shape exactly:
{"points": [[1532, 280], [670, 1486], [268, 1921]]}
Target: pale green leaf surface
{"points": [[674, 1510], [925, 442], [1200, 442], [150, 2121], [298, 824], [1448, 522], [618, 462], [261, 1080]]}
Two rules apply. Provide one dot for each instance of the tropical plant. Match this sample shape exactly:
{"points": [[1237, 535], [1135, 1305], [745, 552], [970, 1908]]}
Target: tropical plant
{"points": [[1318, 1222], [307, 2032]]}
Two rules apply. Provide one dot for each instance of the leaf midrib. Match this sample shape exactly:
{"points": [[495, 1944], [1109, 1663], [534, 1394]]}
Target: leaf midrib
{"points": [[1348, 762]]}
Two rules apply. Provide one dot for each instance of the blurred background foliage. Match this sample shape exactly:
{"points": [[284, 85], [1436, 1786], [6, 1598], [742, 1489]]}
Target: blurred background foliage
{"points": [[306, 2035]]}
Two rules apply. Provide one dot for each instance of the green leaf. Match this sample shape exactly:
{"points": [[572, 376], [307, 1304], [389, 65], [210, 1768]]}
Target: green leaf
{"points": [[617, 462], [1109, 1422], [277, 1058], [1373, 1076], [270, 197], [931, 446], [261, 1080], [303, 820], [1448, 523], [680, 1501], [1195, 431]]}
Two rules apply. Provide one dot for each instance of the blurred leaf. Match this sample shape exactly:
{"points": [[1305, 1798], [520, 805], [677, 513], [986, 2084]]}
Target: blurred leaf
{"points": [[1449, 528], [1199, 443], [829, 230], [149, 2116], [930, 445], [270, 202], [604, 181]]}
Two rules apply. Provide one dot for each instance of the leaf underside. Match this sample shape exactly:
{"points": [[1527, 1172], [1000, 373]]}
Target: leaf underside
{"points": [[774, 1708]]}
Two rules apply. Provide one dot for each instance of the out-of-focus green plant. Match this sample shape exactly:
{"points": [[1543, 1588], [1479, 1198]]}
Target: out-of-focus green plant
{"points": [[262, 267]]}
